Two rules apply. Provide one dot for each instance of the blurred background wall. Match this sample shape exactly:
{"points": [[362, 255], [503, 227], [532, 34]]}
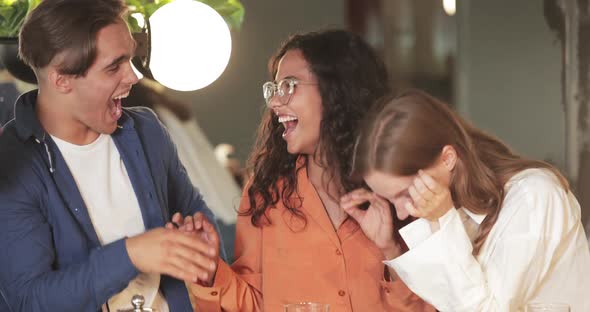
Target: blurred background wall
{"points": [[509, 75]]}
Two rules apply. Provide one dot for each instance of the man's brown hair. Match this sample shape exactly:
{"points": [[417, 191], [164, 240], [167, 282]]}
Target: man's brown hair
{"points": [[66, 28]]}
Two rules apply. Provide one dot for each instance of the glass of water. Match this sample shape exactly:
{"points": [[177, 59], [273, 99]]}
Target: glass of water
{"points": [[307, 307], [547, 307]]}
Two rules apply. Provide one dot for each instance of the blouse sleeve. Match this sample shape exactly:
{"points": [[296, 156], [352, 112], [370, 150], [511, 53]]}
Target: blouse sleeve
{"points": [[239, 287]]}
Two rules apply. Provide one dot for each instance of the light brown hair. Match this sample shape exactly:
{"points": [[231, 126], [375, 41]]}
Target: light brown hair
{"points": [[407, 133]]}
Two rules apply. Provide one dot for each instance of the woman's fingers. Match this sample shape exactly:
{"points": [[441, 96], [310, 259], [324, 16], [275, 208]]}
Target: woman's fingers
{"points": [[177, 220], [417, 197], [424, 191], [355, 198], [188, 224], [430, 182], [413, 211]]}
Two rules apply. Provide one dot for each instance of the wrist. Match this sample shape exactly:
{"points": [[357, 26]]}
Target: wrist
{"points": [[391, 251], [130, 246], [211, 281], [434, 225]]}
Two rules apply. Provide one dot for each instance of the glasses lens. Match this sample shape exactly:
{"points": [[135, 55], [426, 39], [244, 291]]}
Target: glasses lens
{"points": [[282, 89], [268, 90], [285, 89]]}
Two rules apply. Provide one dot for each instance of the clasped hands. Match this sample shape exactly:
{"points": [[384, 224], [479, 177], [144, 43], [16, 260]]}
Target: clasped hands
{"points": [[186, 249]]}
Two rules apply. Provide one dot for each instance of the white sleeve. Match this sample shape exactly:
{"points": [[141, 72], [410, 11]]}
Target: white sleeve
{"points": [[518, 254]]}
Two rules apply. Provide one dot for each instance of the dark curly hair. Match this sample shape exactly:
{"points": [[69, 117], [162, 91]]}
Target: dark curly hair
{"points": [[351, 77]]}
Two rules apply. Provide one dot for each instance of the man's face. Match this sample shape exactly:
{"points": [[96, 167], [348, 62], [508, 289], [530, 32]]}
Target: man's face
{"points": [[97, 96]]}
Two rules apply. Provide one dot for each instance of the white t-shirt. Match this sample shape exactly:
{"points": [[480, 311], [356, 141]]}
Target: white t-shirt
{"points": [[101, 177]]}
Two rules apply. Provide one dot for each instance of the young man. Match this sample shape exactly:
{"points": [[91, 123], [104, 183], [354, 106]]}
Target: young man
{"points": [[85, 186]]}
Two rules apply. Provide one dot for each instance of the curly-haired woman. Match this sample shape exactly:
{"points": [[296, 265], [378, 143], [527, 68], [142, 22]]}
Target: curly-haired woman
{"points": [[294, 242]]}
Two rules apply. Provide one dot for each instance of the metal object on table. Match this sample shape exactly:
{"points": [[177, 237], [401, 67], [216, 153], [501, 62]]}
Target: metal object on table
{"points": [[137, 302]]}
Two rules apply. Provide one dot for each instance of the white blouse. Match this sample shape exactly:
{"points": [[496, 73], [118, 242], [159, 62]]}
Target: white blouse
{"points": [[537, 251]]}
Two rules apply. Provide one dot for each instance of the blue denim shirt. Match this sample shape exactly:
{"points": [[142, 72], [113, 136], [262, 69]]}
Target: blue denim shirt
{"points": [[51, 258]]}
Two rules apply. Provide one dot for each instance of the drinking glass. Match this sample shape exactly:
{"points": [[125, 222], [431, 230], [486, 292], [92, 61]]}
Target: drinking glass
{"points": [[547, 307], [307, 307]]}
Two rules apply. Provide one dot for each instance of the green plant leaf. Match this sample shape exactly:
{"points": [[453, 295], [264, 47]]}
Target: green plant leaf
{"points": [[13, 12], [232, 11], [33, 4]]}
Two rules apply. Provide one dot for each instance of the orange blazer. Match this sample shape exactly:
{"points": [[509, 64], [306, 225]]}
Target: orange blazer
{"points": [[288, 262]]}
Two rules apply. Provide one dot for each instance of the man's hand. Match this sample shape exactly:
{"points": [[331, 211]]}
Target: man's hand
{"points": [[199, 226], [171, 252]]}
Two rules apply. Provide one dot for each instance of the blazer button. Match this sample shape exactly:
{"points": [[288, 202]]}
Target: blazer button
{"points": [[214, 293], [338, 252], [341, 293]]}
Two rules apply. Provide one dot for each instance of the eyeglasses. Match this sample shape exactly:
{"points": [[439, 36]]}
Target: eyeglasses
{"points": [[284, 89]]}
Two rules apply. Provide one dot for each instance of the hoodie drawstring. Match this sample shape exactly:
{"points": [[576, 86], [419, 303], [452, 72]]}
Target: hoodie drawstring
{"points": [[51, 169]]}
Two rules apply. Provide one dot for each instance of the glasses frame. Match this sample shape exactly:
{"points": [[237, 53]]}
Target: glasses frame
{"points": [[272, 88]]}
